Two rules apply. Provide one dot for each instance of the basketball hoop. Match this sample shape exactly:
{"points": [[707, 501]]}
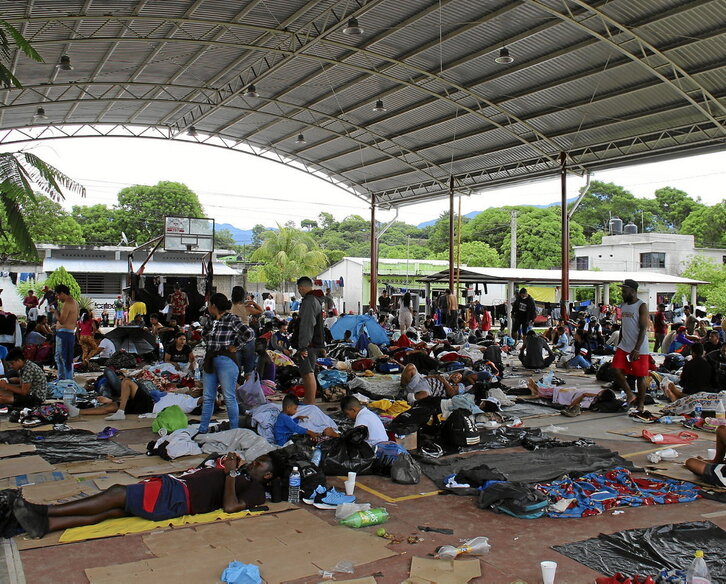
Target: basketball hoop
{"points": [[189, 234]]}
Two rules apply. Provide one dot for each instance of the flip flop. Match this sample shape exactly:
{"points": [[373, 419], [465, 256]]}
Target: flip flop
{"points": [[106, 433]]}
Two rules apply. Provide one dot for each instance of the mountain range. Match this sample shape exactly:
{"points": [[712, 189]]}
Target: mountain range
{"points": [[244, 236]]}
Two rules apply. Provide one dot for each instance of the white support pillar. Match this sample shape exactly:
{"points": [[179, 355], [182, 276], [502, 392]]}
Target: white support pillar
{"points": [[510, 296], [606, 293], [694, 297]]}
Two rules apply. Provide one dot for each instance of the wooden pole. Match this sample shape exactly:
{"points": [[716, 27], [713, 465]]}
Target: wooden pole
{"points": [[374, 257], [451, 235]]}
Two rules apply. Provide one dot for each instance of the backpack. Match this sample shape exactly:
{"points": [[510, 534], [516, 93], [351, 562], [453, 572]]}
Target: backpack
{"points": [[493, 353], [43, 352], [288, 376], [388, 367], [451, 366], [604, 372], [460, 429], [516, 499], [411, 420], [172, 418]]}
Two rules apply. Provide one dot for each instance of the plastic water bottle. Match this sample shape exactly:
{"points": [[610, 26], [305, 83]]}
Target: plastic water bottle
{"points": [[475, 547], [547, 380], [698, 570], [161, 352], [197, 374], [698, 411], [69, 394], [720, 409], [366, 518], [665, 420], [293, 491], [317, 456]]}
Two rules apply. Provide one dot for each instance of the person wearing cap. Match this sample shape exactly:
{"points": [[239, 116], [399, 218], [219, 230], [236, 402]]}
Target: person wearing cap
{"points": [[631, 355], [682, 341], [524, 311]]}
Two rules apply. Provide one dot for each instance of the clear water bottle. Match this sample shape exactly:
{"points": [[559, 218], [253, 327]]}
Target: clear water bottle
{"points": [[698, 570], [161, 352], [69, 394], [698, 410], [293, 491], [317, 456], [197, 374], [475, 547], [721, 409]]}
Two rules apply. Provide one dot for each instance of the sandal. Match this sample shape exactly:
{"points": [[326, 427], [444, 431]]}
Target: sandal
{"points": [[106, 433]]}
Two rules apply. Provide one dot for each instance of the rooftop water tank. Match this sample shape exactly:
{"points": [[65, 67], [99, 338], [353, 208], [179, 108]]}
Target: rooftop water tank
{"points": [[616, 226], [630, 229]]}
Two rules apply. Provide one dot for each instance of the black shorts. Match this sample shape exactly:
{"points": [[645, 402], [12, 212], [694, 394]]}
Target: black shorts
{"points": [[715, 474], [26, 401], [140, 403], [307, 364]]}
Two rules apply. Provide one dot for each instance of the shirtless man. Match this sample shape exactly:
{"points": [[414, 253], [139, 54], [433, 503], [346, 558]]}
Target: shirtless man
{"points": [[65, 329]]}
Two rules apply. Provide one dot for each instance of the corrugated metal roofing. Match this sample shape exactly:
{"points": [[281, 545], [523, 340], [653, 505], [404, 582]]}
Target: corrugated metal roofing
{"points": [[611, 82], [108, 266]]}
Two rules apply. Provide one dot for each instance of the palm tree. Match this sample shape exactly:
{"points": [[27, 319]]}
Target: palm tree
{"points": [[23, 173], [285, 255]]}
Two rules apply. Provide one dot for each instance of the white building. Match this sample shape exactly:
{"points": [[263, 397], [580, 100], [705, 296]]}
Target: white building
{"points": [[664, 253]]}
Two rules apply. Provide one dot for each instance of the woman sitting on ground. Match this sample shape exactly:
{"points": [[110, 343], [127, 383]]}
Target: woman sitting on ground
{"points": [[696, 376], [180, 354], [582, 351], [533, 352]]}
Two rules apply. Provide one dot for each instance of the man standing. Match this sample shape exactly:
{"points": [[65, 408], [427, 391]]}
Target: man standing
{"points": [[66, 330], [179, 302], [30, 301], [691, 321], [50, 300], [452, 318], [384, 303], [310, 337], [660, 328], [631, 355], [118, 311], [524, 311]]}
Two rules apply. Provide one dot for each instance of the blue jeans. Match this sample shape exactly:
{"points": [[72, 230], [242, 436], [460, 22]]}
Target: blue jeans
{"points": [[579, 361], [249, 357], [225, 374], [67, 341]]}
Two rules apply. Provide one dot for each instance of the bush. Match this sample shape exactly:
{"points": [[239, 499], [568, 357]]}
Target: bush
{"points": [[60, 276]]}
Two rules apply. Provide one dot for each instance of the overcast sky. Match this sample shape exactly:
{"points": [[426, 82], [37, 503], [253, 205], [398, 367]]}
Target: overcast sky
{"points": [[244, 190]]}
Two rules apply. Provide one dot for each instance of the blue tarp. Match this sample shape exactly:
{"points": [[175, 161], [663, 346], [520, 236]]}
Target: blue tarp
{"points": [[355, 323]]}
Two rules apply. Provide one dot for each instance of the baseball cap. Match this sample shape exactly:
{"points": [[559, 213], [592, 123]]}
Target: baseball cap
{"points": [[681, 329], [629, 283]]}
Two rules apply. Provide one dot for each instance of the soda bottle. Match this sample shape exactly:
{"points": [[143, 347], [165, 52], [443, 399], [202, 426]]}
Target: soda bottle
{"points": [[366, 518], [698, 570], [698, 410], [293, 491], [476, 547]]}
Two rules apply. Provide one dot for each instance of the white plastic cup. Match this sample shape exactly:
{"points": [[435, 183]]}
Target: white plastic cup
{"points": [[711, 453], [349, 487], [548, 572], [351, 476]]}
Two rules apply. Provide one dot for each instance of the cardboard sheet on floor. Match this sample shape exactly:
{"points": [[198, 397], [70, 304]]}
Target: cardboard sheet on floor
{"points": [[15, 449], [12, 467], [261, 540], [676, 471], [50, 492], [114, 478], [32, 479], [425, 571], [367, 580], [109, 464], [97, 423], [177, 465], [124, 525]]}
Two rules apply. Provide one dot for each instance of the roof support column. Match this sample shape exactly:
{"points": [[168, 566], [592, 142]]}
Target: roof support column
{"points": [[373, 303], [451, 237], [694, 297], [606, 293], [565, 238]]}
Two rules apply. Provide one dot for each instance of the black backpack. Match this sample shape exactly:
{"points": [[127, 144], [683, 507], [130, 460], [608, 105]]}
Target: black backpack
{"points": [[515, 499], [493, 353], [605, 373], [410, 421], [460, 429]]}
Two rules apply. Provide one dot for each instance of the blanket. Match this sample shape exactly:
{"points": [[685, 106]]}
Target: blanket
{"points": [[264, 417]]}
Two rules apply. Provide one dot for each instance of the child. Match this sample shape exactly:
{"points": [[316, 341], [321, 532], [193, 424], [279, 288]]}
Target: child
{"points": [[286, 426]]}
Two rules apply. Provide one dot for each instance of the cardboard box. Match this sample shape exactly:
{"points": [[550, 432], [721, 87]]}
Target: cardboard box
{"points": [[409, 441]]}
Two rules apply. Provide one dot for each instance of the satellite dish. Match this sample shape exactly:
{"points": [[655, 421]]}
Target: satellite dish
{"points": [[124, 239]]}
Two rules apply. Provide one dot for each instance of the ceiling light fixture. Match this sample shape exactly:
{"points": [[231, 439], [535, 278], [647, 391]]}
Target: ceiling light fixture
{"points": [[300, 139], [504, 56], [40, 115], [379, 107], [353, 28], [65, 63], [251, 91], [192, 131]]}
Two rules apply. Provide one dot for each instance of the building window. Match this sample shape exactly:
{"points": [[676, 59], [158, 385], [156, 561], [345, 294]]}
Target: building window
{"points": [[98, 283], [652, 260], [582, 263]]}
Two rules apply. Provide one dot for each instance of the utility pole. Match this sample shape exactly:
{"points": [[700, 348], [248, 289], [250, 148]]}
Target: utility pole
{"points": [[513, 265]]}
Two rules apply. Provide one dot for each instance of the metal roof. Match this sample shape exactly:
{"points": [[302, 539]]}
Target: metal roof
{"points": [[528, 276], [609, 82], [156, 268]]}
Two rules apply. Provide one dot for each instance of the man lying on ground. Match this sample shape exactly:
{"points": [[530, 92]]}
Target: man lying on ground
{"points": [[712, 471], [234, 488], [128, 398], [419, 387]]}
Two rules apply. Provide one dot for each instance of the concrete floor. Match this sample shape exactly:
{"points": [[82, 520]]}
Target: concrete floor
{"points": [[518, 546]]}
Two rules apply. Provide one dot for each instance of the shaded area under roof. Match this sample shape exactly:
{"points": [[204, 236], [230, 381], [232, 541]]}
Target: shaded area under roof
{"points": [[610, 82]]}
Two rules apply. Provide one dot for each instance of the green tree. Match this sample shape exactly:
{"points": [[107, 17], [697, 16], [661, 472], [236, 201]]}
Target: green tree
{"points": [[478, 253], [492, 226], [414, 252], [286, 254], [308, 224], [99, 224], [22, 172], [714, 293], [257, 232], [144, 208], [223, 239], [439, 233], [60, 276], [707, 225], [675, 206], [539, 236], [326, 220]]}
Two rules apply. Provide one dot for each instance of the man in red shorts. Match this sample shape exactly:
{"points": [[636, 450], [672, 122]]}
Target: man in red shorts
{"points": [[631, 355], [234, 487]]}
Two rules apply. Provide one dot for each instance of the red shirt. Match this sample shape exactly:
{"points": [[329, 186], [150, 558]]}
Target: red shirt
{"points": [[31, 301], [660, 326]]}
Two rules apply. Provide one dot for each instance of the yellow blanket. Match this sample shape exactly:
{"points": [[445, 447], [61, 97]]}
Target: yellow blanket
{"points": [[124, 525], [391, 408]]}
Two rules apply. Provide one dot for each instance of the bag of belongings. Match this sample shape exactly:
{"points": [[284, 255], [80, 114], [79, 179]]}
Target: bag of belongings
{"points": [[515, 499]]}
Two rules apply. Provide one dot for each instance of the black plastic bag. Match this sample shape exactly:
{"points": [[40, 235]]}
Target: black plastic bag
{"points": [[405, 470], [349, 453]]}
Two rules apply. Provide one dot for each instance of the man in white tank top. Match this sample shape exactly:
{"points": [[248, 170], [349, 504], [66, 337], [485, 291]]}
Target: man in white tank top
{"points": [[631, 355]]}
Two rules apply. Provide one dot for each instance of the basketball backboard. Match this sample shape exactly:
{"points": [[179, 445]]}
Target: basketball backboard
{"points": [[189, 234]]}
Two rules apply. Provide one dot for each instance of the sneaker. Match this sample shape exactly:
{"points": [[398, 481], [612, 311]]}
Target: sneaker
{"points": [[332, 499], [644, 417], [118, 415], [319, 491], [571, 411]]}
